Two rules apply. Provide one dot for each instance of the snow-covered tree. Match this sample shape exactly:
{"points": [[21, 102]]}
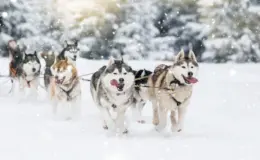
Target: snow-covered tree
{"points": [[30, 23], [234, 33], [179, 26], [135, 33]]}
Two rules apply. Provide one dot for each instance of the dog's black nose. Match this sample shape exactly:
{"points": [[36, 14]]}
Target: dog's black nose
{"points": [[121, 80], [33, 69], [75, 57], [190, 74]]}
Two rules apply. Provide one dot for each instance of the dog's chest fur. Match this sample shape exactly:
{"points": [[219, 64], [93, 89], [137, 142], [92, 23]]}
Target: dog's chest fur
{"points": [[66, 93], [177, 92], [119, 99]]}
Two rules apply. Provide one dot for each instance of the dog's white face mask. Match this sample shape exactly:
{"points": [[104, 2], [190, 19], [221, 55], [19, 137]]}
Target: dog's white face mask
{"points": [[118, 76], [185, 69], [63, 72], [71, 51], [31, 64]]}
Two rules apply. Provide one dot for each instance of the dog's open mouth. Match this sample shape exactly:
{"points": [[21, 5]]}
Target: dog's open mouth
{"points": [[190, 80], [119, 86], [59, 81]]}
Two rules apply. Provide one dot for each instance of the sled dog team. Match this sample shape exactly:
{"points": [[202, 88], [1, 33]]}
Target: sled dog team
{"points": [[114, 87]]}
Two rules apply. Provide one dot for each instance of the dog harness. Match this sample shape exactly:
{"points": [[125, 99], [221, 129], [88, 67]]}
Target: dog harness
{"points": [[68, 92], [29, 82]]}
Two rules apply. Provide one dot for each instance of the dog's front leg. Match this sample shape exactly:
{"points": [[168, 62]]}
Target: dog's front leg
{"points": [[34, 88], [108, 121], [181, 116], [21, 92], [120, 121], [137, 112]]}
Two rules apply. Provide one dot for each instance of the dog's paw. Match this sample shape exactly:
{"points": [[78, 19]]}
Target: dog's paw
{"points": [[105, 127], [141, 121], [159, 128], [155, 121], [176, 129], [125, 131], [114, 106]]}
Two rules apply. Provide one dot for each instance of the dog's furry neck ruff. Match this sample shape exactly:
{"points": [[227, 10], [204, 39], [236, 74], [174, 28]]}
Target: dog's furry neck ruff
{"points": [[68, 88], [130, 95]]}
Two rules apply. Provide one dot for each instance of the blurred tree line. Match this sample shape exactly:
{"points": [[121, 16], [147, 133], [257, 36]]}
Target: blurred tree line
{"points": [[154, 29]]}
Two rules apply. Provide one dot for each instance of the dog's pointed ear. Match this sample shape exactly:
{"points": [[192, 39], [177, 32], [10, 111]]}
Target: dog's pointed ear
{"points": [[192, 56], [76, 43], [111, 61], [23, 55], [65, 43], [180, 56], [12, 45]]}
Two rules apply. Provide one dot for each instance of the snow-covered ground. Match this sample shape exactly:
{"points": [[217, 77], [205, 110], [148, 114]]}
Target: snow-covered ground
{"points": [[222, 123]]}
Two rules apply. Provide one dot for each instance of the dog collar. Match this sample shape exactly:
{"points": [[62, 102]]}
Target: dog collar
{"points": [[176, 81]]}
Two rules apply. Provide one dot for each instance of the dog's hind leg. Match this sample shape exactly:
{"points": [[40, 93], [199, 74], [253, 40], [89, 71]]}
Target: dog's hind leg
{"points": [[162, 119], [155, 113]]}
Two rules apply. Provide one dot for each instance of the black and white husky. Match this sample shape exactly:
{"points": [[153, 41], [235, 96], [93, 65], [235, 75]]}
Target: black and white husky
{"points": [[71, 51], [112, 89], [141, 89], [31, 67]]}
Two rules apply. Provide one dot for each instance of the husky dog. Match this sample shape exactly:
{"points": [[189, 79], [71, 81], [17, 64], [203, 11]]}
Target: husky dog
{"points": [[171, 90], [112, 89], [141, 80], [49, 58], [65, 88], [31, 67], [71, 51], [16, 56]]}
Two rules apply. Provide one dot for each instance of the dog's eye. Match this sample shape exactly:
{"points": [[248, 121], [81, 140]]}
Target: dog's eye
{"points": [[191, 67], [183, 67], [115, 73], [124, 73]]}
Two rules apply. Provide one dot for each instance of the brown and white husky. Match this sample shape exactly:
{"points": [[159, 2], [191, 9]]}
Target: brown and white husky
{"points": [[65, 89], [171, 90]]}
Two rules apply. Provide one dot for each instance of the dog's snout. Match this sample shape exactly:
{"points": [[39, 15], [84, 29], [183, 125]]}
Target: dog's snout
{"points": [[33, 69], [75, 56], [190, 74], [56, 77], [121, 80]]}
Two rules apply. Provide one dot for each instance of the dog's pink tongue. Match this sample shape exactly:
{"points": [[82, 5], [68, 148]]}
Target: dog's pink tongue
{"points": [[114, 82], [192, 80]]}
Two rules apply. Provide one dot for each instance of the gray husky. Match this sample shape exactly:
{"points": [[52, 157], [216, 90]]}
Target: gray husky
{"points": [[49, 58], [31, 68], [141, 89], [112, 89], [71, 51]]}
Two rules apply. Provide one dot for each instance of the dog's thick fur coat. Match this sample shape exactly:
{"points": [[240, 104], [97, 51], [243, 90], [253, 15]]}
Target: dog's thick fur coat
{"points": [[112, 89], [171, 90], [65, 90]]}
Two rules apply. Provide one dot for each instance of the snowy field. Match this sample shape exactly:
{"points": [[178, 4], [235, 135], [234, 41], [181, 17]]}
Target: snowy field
{"points": [[222, 123]]}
